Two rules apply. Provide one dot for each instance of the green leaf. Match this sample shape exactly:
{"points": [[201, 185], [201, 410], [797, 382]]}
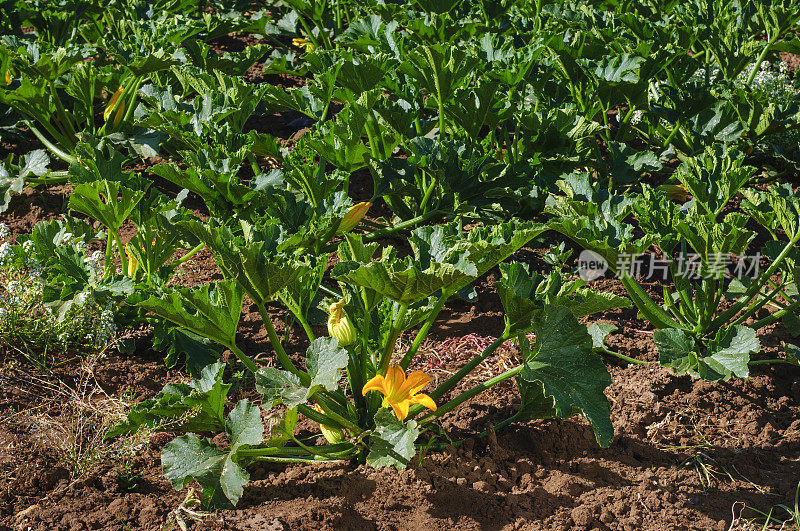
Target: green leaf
{"points": [[563, 361], [534, 402], [726, 355], [253, 261], [223, 479], [792, 323], [324, 361], [599, 333], [729, 353], [281, 426], [713, 177], [792, 353], [392, 442], [34, 163], [198, 406], [108, 202], [279, 386], [199, 351], [9, 184], [408, 281], [211, 310], [676, 349], [524, 296]]}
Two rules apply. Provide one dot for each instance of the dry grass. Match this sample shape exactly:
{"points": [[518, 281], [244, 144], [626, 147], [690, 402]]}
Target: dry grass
{"points": [[70, 418], [438, 359]]}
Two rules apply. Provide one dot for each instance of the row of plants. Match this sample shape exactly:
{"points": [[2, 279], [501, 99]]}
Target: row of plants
{"points": [[628, 128]]}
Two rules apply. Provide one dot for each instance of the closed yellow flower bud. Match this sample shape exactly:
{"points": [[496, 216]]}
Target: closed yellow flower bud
{"points": [[353, 217], [133, 264], [304, 43], [332, 435], [8, 76], [339, 325], [119, 115], [110, 106]]}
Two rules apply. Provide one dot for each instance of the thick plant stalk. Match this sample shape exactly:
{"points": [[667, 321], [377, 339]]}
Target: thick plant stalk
{"points": [[466, 395], [423, 332], [397, 329], [468, 368], [278, 347], [244, 358]]}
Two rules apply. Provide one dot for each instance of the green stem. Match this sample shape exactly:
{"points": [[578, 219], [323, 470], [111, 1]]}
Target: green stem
{"points": [[253, 452], [313, 451], [466, 395], [66, 124], [428, 194], [123, 258], [766, 321], [109, 262], [308, 31], [329, 414], [622, 356], [330, 292], [397, 329], [764, 362], [760, 59], [438, 86], [244, 358], [403, 225], [278, 347], [199, 247], [297, 312], [291, 460], [760, 303], [423, 332], [53, 177], [130, 97], [755, 288], [451, 382], [652, 312], [69, 159]]}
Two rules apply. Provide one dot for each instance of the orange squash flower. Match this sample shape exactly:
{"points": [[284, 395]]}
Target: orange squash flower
{"points": [[400, 392]]}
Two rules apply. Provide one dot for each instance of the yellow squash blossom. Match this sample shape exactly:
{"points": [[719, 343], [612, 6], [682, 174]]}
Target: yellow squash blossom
{"points": [[304, 43], [400, 392], [353, 217], [133, 264], [339, 325], [332, 435], [110, 107]]}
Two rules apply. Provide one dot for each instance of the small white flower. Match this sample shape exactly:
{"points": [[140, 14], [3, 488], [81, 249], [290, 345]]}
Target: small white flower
{"points": [[28, 246], [5, 252], [4, 231], [14, 287]]}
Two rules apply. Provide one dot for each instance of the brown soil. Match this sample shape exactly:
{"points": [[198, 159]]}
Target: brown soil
{"points": [[687, 454]]}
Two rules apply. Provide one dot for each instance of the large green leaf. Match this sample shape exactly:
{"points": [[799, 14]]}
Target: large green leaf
{"points": [[218, 471], [197, 406], [252, 260], [563, 361], [108, 202], [324, 361], [525, 296], [199, 351], [392, 442], [211, 310], [726, 355]]}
